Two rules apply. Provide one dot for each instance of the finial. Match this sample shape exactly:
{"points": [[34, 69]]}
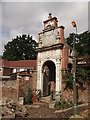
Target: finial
{"points": [[50, 16]]}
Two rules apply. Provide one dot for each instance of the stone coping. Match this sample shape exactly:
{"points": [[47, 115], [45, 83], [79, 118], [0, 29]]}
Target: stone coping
{"points": [[65, 110]]}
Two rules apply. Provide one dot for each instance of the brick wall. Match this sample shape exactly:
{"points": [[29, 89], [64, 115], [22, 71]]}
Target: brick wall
{"points": [[24, 84], [9, 90], [12, 89], [34, 81]]}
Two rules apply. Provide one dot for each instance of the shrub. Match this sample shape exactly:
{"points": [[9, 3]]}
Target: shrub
{"points": [[82, 76], [68, 79], [63, 104], [28, 98]]}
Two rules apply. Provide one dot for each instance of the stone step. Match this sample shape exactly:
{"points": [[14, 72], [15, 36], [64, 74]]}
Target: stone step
{"points": [[45, 99], [51, 104], [38, 103]]}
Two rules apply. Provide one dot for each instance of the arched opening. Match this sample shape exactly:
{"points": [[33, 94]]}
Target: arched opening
{"points": [[49, 77]]}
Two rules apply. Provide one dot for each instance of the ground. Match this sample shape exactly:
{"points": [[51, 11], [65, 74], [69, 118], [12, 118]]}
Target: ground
{"points": [[41, 111]]}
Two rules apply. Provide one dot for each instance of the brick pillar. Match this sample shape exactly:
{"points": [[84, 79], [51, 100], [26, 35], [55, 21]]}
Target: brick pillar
{"points": [[55, 23], [52, 86], [62, 35], [17, 86], [2, 71], [64, 58]]}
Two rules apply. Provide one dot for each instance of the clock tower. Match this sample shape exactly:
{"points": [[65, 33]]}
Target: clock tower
{"points": [[49, 58]]}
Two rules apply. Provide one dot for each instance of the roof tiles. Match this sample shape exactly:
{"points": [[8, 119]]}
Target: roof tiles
{"points": [[18, 64]]}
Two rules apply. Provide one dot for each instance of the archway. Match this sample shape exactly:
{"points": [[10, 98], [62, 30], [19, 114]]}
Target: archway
{"points": [[49, 77]]}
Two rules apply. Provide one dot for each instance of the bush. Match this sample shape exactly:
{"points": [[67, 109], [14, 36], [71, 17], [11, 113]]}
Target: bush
{"points": [[82, 76], [68, 79], [62, 104], [28, 98]]}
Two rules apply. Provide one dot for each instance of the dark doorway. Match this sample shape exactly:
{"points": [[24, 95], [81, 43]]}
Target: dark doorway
{"points": [[69, 67], [49, 76]]}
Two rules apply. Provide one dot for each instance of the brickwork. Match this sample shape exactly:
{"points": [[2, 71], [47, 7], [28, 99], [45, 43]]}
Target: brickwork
{"points": [[52, 86], [26, 83], [34, 81], [50, 21], [9, 90], [64, 58], [62, 35], [12, 89]]}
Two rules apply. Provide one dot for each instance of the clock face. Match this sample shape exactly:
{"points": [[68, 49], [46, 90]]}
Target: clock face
{"points": [[49, 23]]}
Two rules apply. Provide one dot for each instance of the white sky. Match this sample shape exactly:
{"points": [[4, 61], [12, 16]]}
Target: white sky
{"points": [[27, 17]]}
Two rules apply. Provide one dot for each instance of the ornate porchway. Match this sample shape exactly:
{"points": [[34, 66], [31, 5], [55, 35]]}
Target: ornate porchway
{"points": [[49, 58]]}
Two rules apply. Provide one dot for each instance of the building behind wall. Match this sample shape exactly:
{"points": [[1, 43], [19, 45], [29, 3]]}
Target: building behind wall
{"points": [[17, 77]]}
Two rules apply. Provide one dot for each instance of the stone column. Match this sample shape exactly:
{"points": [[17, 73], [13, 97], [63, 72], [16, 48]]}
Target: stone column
{"points": [[17, 85], [39, 76], [58, 79]]}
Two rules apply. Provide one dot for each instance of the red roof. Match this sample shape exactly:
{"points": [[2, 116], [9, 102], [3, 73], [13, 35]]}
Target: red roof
{"points": [[18, 64], [4, 63]]}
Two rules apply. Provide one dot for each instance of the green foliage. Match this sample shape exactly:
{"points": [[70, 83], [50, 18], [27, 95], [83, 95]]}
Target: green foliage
{"points": [[20, 48], [82, 76], [65, 40], [62, 104], [82, 43], [28, 98], [82, 47], [68, 79]]}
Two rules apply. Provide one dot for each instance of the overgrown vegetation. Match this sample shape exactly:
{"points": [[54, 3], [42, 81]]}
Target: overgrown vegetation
{"points": [[28, 98], [82, 76], [82, 48], [62, 104], [68, 79]]}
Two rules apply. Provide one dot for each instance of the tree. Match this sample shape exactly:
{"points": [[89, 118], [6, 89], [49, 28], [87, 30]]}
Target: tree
{"points": [[82, 76], [82, 43], [20, 48], [82, 47]]}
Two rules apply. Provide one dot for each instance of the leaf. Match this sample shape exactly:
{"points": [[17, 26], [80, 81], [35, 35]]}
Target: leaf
{"points": [[20, 48]]}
